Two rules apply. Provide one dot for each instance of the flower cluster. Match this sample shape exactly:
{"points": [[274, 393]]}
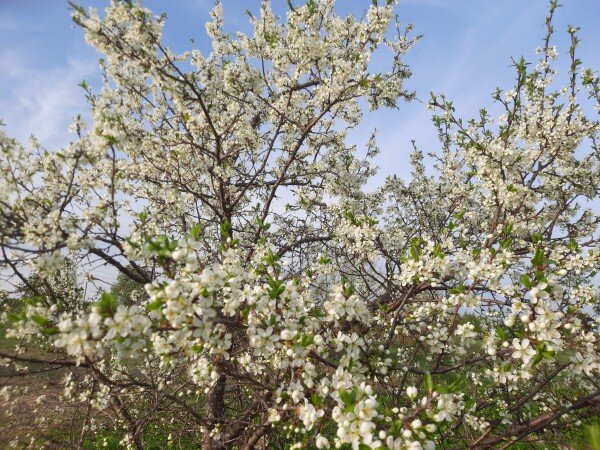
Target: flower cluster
{"points": [[266, 296]]}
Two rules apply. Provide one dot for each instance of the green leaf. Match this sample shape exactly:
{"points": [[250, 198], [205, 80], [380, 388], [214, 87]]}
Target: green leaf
{"points": [[415, 249], [162, 246], [442, 389], [348, 397], [428, 382], [277, 288], [108, 303], [16, 317], [458, 289], [316, 399], [316, 312], [460, 214], [458, 384], [225, 229], [592, 434], [364, 83], [324, 260], [39, 320], [525, 281], [502, 333], [348, 289], [49, 331], [451, 388], [573, 245], [196, 348], [110, 139], [156, 304], [33, 301], [271, 258], [396, 428], [307, 339], [246, 312], [539, 258], [195, 232]]}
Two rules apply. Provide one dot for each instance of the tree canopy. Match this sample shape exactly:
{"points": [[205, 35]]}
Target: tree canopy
{"points": [[285, 305]]}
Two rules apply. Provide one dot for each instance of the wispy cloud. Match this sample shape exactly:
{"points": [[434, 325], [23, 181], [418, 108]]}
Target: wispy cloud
{"points": [[41, 102]]}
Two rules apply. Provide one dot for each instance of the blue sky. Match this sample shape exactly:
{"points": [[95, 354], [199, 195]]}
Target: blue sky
{"points": [[465, 53]]}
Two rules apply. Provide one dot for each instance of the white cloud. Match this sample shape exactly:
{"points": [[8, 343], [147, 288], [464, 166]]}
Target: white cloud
{"points": [[41, 102]]}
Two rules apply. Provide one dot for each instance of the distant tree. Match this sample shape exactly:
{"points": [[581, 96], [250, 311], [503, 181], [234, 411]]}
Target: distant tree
{"points": [[62, 285], [127, 291]]}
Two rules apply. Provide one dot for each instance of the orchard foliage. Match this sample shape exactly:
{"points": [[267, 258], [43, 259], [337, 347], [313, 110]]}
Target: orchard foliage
{"points": [[285, 305]]}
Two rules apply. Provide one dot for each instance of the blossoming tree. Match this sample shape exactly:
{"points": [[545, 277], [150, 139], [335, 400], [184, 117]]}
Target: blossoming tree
{"points": [[285, 305]]}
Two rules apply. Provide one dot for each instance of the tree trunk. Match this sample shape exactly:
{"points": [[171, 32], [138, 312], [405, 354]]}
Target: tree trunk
{"points": [[215, 412]]}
